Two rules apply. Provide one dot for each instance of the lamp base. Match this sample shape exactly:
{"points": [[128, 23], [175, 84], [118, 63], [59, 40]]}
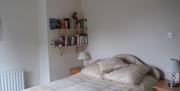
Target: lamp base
{"points": [[173, 85], [82, 65]]}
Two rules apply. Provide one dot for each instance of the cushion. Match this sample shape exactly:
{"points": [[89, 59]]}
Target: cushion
{"points": [[130, 75], [131, 59], [109, 64], [92, 70]]}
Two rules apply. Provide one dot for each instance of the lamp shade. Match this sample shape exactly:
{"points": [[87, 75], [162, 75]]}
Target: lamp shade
{"points": [[173, 66], [83, 56]]}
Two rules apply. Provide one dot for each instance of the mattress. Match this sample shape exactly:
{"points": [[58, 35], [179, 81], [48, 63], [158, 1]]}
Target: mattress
{"points": [[80, 82]]}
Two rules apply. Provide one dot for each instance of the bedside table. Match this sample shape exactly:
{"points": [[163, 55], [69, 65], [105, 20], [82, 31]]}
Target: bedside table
{"points": [[163, 86], [75, 70]]}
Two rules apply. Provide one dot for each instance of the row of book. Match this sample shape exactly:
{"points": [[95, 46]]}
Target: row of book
{"points": [[70, 40], [67, 23]]}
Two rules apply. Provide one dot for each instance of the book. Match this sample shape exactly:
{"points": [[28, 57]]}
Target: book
{"points": [[67, 23], [62, 24], [54, 23]]}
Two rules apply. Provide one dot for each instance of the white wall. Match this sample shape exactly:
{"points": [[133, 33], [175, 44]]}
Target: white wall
{"points": [[136, 27], [0, 32], [43, 41], [26, 38], [59, 65], [0, 23], [19, 48]]}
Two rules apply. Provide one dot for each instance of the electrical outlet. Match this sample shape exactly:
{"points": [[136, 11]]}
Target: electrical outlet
{"points": [[170, 35]]}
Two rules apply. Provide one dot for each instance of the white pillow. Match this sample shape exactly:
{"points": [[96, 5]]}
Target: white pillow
{"points": [[130, 75], [109, 64], [92, 70]]}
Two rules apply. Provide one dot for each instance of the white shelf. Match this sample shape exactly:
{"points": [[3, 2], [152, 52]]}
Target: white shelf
{"points": [[79, 45], [69, 29], [77, 34], [78, 48]]}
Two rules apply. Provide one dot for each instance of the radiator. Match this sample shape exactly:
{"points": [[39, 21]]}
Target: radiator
{"points": [[12, 80]]}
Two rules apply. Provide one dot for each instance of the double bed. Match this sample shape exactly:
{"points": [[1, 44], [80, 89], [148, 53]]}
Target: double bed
{"points": [[81, 82]]}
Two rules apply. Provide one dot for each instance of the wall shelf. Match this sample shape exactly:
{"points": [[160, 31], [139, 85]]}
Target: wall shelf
{"points": [[70, 31], [78, 48], [72, 34], [67, 29]]}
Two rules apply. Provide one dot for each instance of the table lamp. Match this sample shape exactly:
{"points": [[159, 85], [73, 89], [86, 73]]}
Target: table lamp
{"points": [[173, 68], [83, 56]]}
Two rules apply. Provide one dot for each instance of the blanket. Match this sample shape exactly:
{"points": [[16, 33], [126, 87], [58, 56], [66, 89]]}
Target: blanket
{"points": [[81, 82], [40, 88]]}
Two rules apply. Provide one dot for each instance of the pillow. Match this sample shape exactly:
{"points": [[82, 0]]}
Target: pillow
{"points": [[92, 70], [130, 75], [110, 64]]}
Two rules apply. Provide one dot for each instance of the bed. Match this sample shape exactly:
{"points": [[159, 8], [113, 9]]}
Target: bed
{"points": [[81, 82]]}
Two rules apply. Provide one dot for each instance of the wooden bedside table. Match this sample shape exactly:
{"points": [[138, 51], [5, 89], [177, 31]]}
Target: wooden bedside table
{"points": [[75, 70], [163, 86]]}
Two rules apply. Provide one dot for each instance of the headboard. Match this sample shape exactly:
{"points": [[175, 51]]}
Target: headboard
{"points": [[134, 60]]}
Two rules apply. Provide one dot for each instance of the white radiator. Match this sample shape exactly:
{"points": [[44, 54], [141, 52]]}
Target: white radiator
{"points": [[12, 81]]}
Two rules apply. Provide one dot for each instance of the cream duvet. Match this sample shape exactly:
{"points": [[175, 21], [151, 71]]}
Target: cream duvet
{"points": [[81, 82]]}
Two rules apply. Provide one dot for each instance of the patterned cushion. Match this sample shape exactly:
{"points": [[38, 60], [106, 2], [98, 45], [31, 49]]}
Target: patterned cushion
{"points": [[131, 75], [92, 70], [110, 64]]}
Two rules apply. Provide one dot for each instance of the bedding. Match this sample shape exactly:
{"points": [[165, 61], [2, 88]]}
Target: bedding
{"points": [[88, 80], [92, 70], [130, 75], [41, 88], [110, 64], [80, 82]]}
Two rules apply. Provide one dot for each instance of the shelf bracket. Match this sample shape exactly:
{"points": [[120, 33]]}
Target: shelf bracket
{"points": [[61, 51]]}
